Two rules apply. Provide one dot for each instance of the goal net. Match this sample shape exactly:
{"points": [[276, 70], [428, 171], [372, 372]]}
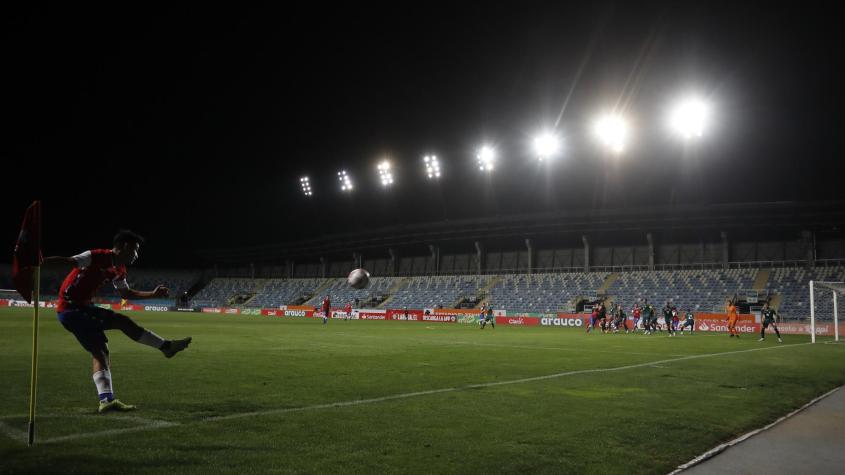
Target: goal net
{"points": [[824, 306]]}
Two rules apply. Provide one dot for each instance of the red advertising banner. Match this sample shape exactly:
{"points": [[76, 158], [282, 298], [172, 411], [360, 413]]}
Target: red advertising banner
{"points": [[399, 315], [743, 317], [804, 329], [129, 306], [565, 320], [288, 311], [440, 318], [523, 321], [721, 325], [372, 314]]}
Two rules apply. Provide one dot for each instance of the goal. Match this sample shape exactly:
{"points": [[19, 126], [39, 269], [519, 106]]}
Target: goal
{"points": [[820, 291]]}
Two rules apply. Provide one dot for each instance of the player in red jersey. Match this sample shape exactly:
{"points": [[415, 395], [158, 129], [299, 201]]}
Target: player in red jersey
{"points": [[348, 311], [636, 312], [88, 322], [327, 307]]}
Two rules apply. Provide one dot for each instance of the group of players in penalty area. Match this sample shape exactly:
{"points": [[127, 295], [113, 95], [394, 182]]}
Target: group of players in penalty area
{"points": [[674, 321]]}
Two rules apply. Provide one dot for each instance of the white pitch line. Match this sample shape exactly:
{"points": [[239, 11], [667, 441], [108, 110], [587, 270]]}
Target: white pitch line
{"points": [[481, 385], [153, 425], [144, 424], [358, 402]]}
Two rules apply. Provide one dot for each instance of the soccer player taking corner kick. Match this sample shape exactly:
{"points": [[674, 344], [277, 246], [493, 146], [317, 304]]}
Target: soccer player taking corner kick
{"points": [[88, 322]]}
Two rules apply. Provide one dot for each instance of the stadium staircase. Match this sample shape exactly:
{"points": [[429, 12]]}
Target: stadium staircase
{"points": [[392, 291], [316, 297], [611, 278], [774, 302], [485, 291], [761, 280]]}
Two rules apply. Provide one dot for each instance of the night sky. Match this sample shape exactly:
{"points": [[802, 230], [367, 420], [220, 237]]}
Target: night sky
{"points": [[193, 126]]}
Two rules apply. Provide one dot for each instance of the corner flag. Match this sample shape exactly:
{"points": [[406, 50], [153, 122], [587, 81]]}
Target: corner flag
{"points": [[26, 272], [28, 252]]}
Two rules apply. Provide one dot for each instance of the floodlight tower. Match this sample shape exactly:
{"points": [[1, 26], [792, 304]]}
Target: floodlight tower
{"points": [[384, 173], [546, 146], [432, 167], [486, 158], [345, 181], [690, 118], [612, 131]]}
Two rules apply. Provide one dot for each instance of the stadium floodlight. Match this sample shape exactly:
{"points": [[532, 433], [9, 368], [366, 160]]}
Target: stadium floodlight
{"points": [[612, 131], [385, 174], [486, 158], [345, 181], [306, 186], [690, 117], [432, 167], [546, 145]]}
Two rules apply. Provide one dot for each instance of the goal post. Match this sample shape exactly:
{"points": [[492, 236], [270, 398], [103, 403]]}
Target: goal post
{"points": [[835, 289]]}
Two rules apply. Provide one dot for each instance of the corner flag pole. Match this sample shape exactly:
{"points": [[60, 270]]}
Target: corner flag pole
{"points": [[26, 273], [33, 382]]}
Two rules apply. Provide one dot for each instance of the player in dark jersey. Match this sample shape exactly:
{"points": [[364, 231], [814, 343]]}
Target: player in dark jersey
{"points": [[619, 318], [770, 317], [488, 317], [667, 319], [602, 315], [649, 319], [88, 322], [689, 321]]}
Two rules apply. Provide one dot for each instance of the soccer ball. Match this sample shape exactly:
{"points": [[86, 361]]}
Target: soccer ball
{"points": [[358, 279]]}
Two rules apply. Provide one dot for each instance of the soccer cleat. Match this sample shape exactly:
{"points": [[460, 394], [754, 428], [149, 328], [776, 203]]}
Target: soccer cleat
{"points": [[761, 339], [114, 406], [780, 341], [171, 347]]}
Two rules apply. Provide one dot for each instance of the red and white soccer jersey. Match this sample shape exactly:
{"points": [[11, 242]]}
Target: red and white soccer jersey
{"points": [[93, 269]]}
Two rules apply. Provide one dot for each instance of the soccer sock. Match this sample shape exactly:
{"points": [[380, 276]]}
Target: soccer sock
{"points": [[151, 339], [762, 333], [103, 381], [777, 332]]}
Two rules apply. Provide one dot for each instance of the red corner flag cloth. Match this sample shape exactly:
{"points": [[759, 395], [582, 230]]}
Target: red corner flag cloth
{"points": [[28, 251]]}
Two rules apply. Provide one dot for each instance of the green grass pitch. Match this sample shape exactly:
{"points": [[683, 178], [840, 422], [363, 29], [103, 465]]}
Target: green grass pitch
{"points": [[263, 394]]}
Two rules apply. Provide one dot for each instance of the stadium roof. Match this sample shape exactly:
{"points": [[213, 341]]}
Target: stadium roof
{"points": [[766, 220]]}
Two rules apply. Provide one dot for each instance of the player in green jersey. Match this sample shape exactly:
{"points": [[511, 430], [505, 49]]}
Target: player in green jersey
{"points": [[689, 321], [770, 317]]}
